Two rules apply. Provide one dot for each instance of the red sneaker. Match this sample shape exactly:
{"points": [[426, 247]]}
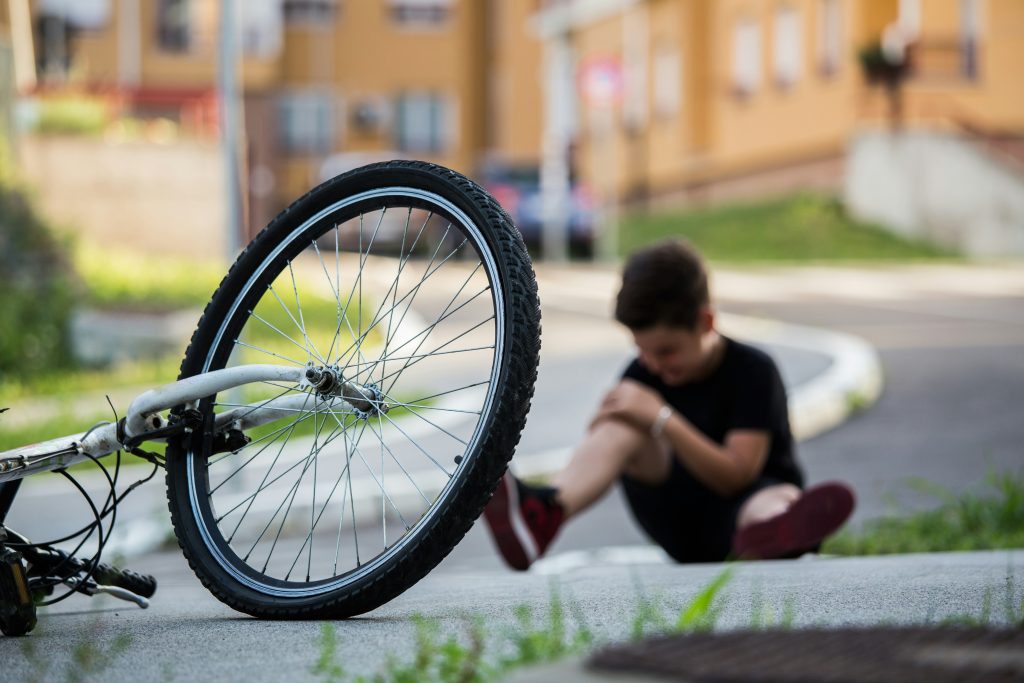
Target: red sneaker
{"points": [[523, 521], [815, 515]]}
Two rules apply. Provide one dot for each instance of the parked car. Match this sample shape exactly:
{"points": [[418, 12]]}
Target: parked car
{"points": [[517, 188]]}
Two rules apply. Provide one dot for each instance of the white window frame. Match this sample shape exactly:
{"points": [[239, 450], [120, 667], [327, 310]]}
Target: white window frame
{"points": [[668, 81], [317, 114], [910, 19], [787, 46], [262, 23], [188, 28], [747, 65], [970, 37], [421, 14], [309, 12], [830, 36], [433, 115]]}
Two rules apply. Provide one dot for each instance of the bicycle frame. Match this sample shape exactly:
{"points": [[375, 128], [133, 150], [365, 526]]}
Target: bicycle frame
{"points": [[144, 415]]}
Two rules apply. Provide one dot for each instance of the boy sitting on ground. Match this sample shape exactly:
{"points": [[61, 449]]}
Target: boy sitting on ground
{"points": [[697, 431]]}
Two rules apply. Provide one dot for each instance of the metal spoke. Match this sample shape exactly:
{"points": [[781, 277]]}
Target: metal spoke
{"points": [[294, 491], [310, 351], [385, 498], [269, 353], [302, 319], [380, 436], [395, 402], [272, 435], [409, 364], [416, 290], [374, 477], [271, 326], [261, 405], [259, 489], [359, 275], [421, 355], [407, 295], [424, 334], [336, 290], [418, 447], [435, 426], [273, 481], [444, 315], [452, 391]]}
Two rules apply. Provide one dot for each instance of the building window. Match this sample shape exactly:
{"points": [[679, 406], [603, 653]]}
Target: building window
{"points": [[261, 28], [830, 36], [314, 12], [306, 123], [423, 122], [174, 25], [420, 13], [668, 82], [910, 19], [787, 47], [746, 57], [970, 30]]}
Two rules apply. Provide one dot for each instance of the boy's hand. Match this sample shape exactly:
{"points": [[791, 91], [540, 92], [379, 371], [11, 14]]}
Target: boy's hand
{"points": [[632, 403]]}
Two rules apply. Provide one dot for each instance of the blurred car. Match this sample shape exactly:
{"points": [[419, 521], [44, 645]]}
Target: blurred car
{"points": [[517, 189]]}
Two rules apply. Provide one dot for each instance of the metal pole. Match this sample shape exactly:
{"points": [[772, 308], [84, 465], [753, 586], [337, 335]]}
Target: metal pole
{"points": [[227, 60], [24, 50], [556, 200], [129, 44]]}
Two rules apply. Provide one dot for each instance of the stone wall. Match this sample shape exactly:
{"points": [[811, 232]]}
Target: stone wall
{"points": [[942, 187], [157, 198]]}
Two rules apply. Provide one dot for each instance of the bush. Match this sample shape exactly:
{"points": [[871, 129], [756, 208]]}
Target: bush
{"points": [[36, 291]]}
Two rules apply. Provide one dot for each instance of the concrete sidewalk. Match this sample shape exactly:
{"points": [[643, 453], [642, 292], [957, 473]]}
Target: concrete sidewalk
{"points": [[815, 592]]}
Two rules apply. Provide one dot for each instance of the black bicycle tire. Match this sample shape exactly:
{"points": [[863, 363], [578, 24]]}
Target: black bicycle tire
{"points": [[504, 425]]}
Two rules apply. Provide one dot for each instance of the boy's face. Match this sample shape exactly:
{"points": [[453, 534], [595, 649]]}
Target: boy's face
{"points": [[676, 355]]}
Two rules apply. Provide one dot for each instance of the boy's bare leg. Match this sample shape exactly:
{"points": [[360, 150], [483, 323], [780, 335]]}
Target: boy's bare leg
{"points": [[767, 503], [611, 448]]}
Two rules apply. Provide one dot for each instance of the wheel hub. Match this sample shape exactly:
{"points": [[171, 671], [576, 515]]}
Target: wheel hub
{"points": [[329, 383]]}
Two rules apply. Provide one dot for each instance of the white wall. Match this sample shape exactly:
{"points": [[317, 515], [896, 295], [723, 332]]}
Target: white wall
{"points": [[937, 186]]}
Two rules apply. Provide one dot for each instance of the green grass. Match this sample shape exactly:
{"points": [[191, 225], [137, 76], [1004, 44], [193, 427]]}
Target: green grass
{"points": [[795, 228], [971, 521], [477, 658], [68, 383], [125, 280]]}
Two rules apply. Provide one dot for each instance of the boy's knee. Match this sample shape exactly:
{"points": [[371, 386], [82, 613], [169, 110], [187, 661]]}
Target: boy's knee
{"points": [[618, 432], [643, 458]]}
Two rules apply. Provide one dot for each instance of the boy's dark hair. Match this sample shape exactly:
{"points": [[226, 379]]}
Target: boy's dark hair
{"points": [[663, 284]]}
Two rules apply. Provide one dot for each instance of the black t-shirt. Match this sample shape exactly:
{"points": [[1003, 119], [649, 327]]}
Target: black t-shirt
{"points": [[744, 392]]}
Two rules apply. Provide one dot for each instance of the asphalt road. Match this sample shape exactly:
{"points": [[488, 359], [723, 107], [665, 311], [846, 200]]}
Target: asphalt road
{"points": [[954, 386]]}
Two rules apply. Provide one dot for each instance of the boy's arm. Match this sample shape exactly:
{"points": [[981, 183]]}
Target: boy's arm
{"points": [[726, 469]]}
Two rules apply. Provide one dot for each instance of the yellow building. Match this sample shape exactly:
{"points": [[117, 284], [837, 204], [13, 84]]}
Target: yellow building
{"points": [[327, 84], [660, 98], [719, 97]]}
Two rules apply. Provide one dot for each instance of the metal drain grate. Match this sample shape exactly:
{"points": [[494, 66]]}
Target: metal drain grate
{"points": [[894, 655]]}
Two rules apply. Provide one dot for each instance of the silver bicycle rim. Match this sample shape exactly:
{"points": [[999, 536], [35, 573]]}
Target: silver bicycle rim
{"points": [[280, 586]]}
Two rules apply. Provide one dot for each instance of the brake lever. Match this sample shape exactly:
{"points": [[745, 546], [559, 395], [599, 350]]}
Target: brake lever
{"points": [[92, 588]]}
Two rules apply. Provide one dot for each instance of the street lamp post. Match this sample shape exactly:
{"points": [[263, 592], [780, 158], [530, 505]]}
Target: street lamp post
{"points": [[227, 60]]}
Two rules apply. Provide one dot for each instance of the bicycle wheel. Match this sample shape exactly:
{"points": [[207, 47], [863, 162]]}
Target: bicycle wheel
{"points": [[409, 281]]}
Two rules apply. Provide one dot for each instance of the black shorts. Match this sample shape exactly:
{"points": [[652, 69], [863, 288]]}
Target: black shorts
{"points": [[692, 523]]}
